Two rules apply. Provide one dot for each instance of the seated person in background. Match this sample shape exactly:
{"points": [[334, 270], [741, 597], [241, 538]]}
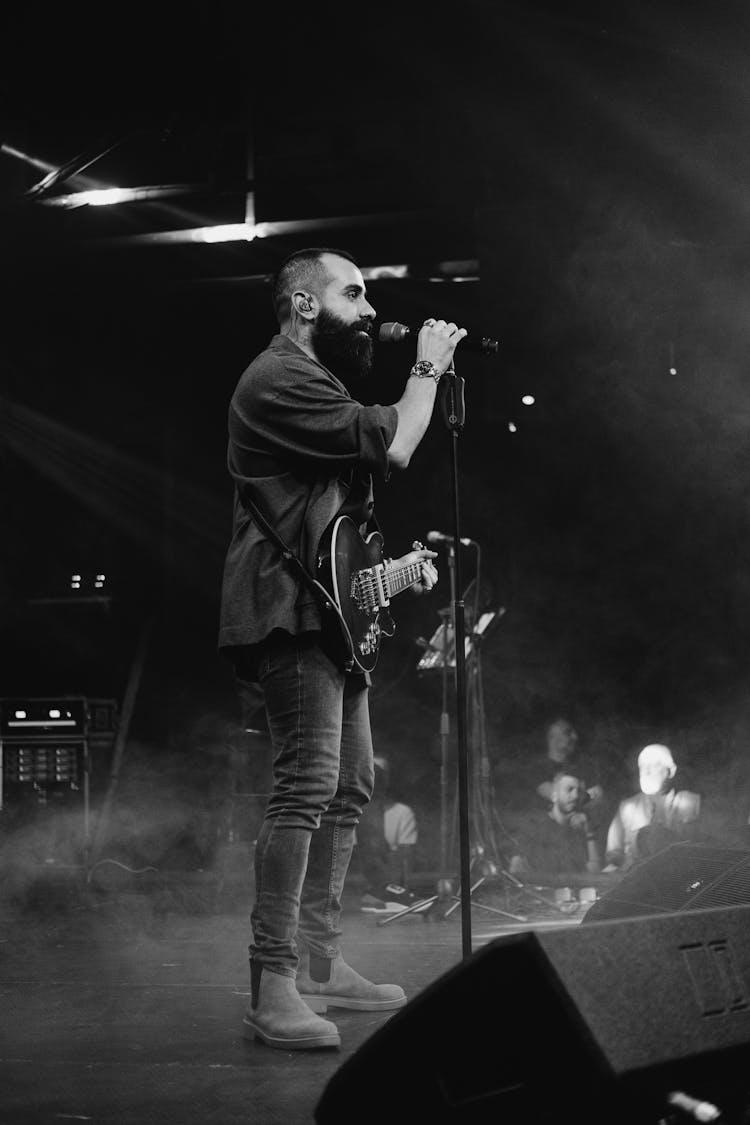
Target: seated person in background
{"points": [[657, 816], [558, 844], [563, 752], [386, 841]]}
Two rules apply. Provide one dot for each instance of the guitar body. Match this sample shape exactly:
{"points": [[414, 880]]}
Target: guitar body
{"points": [[351, 568]]}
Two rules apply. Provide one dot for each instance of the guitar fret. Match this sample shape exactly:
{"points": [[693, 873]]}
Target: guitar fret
{"points": [[370, 582], [400, 578]]}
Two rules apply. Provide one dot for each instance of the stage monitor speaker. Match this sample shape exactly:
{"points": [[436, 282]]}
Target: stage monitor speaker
{"points": [[681, 877], [596, 1024]]}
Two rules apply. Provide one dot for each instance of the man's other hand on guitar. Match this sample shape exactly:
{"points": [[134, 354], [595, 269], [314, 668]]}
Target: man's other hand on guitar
{"points": [[429, 570]]}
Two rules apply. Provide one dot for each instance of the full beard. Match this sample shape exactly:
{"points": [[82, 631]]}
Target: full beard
{"points": [[342, 347]]}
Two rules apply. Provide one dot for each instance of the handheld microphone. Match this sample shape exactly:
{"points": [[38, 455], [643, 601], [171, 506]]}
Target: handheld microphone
{"points": [[439, 537], [393, 333]]}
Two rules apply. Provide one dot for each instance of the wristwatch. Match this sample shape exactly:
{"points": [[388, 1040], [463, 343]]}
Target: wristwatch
{"points": [[425, 369]]}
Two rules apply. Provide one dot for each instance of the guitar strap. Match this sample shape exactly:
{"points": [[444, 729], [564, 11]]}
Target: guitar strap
{"points": [[317, 588]]}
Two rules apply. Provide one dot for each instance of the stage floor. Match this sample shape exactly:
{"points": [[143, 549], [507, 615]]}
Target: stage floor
{"points": [[122, 1004]]}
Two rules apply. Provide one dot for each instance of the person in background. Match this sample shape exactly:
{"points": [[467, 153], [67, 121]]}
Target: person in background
{"points": [[659, 815], [386, 842], [558, 844], [563, 751]]}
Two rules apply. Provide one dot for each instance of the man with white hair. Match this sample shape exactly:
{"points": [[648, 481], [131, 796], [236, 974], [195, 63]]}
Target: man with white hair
{"points": [[658, 815]]}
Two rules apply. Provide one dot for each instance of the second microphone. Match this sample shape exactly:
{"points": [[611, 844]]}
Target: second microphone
{"points": [[439, 537]]}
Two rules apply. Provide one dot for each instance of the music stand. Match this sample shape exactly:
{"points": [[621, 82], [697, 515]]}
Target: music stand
{"points": [[440, 655]]}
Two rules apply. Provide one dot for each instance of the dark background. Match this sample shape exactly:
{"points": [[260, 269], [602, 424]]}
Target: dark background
{"points": [[590, 165]]}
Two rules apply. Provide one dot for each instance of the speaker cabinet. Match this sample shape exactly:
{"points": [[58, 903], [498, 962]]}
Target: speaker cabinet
{"points": [[681, 877], [591, 1024]]}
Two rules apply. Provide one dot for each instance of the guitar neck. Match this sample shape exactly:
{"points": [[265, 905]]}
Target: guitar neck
{"points": [[400, 577]]}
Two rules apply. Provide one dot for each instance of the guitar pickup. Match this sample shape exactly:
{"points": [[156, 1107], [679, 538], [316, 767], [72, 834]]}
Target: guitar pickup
{"points": [[379, 573]]}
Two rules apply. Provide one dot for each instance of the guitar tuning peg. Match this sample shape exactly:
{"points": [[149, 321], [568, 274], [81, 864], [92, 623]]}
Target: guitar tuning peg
{"points": [[417, 546]]}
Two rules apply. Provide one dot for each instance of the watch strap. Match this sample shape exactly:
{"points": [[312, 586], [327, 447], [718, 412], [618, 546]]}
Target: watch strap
{"points": [[425, 369]]}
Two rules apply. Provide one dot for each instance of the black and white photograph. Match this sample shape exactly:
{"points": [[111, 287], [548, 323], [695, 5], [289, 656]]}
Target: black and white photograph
{"points": [[375, 563]]}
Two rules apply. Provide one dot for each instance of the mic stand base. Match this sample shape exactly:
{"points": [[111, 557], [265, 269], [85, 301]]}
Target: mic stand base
{"points": [[445, 902], [431, 906]]}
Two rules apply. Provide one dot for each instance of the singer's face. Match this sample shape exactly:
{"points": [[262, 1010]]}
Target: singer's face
{"points": [[344, 294], [342, 332]]}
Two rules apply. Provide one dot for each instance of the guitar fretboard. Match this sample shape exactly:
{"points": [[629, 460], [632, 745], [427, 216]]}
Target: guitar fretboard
{"points": [[401, 577]]}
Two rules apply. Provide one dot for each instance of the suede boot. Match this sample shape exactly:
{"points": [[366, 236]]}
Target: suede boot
{"points": [[324, 982], [278, 1015]]}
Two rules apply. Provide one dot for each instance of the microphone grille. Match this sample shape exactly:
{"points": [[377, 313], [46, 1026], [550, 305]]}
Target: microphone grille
{"points": [[392, 333]]}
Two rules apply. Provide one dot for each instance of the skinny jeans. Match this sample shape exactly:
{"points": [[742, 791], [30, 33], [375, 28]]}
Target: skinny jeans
{"points": [[323, 775]]}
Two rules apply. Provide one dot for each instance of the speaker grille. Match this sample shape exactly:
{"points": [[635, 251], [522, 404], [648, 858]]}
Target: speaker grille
{"points": [[682, 877]]}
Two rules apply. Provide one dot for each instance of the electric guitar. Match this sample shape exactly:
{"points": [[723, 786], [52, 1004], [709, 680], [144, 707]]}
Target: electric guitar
{"points": [[360, 583]]}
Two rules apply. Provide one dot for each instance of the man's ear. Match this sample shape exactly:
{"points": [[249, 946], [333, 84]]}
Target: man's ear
{"points": [[303, 303]]}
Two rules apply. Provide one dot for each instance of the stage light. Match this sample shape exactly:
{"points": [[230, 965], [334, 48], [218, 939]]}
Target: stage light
{"points": [[512, 427], [42, 165], [528, 400], [109, 196], [228, 232], [380, 273], [673, 371], [104, 197]]}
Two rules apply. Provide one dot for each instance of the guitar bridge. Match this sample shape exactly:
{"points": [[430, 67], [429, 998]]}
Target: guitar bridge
{"points": [[367, 590]]}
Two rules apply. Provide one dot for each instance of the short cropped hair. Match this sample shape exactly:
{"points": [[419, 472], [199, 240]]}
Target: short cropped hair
{"points": [[303, 269], [559, 774]]}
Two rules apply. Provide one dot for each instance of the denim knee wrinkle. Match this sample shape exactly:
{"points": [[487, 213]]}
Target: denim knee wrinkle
{"points": [[321, 744]]}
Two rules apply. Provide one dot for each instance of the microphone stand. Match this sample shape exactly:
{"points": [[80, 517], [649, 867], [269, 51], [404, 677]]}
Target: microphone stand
{"points": [[445, 728], [452, 405], [454, 414]]}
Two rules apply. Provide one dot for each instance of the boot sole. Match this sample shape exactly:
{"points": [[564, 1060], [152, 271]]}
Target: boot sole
{"points": [[322, 1003], [251, 1030]]}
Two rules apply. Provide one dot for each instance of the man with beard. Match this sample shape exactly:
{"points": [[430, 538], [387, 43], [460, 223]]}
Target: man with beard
{"points": [[304, 452], [657, 816], [558, 844]]}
